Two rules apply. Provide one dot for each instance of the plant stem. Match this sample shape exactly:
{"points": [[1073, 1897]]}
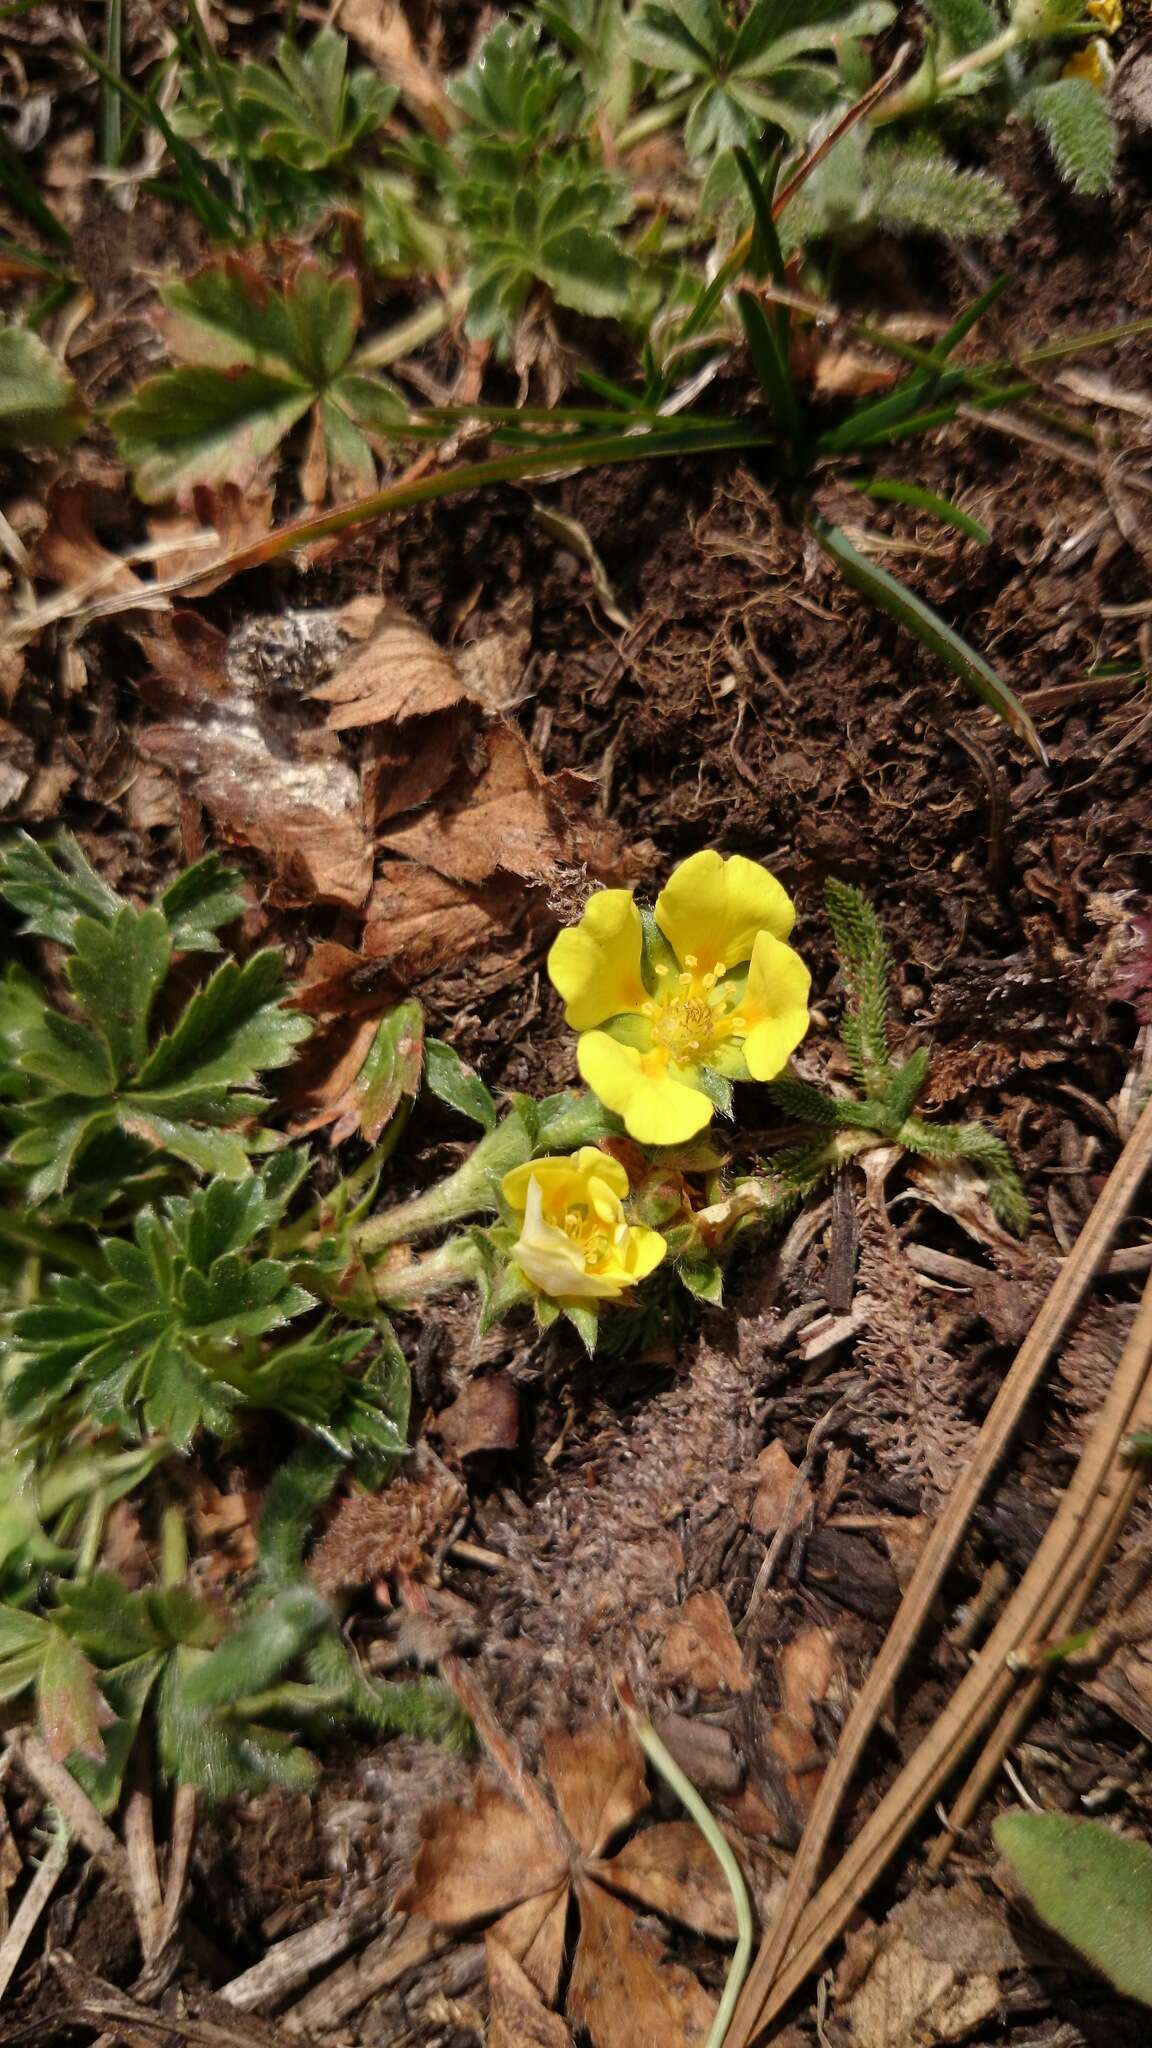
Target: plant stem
{"points": [[173, 1545], [921, 91], [89, 1549], [452, 1265], [686, 1793], [470, 1191], [410, 334], [654, 119]]}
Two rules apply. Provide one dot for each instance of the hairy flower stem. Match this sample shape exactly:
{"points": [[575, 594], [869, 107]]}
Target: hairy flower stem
{"points": [[927, 86], [470, 1191], [451, 1266]]}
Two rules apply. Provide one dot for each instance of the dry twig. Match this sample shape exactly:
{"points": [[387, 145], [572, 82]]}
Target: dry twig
{"points": [[799, 1937]]}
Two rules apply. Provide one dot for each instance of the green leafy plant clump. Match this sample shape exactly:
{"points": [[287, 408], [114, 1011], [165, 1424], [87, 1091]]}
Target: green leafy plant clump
{"points": [[169, 1278]]}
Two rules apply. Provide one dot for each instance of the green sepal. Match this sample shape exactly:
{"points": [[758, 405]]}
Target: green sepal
{"points": [[586, 1323], [703, 1278]]}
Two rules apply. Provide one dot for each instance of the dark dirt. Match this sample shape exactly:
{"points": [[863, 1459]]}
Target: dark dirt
{"points": [[753, 705]]}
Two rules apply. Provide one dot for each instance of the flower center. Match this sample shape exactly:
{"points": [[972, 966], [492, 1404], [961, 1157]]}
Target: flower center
{"points": [[691, 1015], [586, 1231]]}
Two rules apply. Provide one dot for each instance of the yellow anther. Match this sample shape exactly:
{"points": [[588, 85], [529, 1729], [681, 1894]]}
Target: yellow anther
{"points": [[685, 981], [689, 961], [648, 1009], [662, 969]]}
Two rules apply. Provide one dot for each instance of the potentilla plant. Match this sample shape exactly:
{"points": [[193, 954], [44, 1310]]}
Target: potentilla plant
{"points": [[168, 1274]]}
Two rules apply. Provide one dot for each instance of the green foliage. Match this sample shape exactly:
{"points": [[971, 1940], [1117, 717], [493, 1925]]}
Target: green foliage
{"points": [[866, 966], [873, 181], [1074, 119], [162, 1341], [843, 1126], [747, 74], [1093, 1887], [257, 357], [458, 1084], [525, 178], [108, 1076], [40, 406], [306, 112]]}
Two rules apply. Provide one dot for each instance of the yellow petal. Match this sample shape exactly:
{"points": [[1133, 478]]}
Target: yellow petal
{"points": [[656, 1109], [566, 1180], [775, 1005], [547, 1257], [591, 1160], [712, 909], [646, 1248], [595, 965]]}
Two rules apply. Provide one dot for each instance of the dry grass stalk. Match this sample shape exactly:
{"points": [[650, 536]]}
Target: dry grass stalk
{"points": [[799, 1936]]}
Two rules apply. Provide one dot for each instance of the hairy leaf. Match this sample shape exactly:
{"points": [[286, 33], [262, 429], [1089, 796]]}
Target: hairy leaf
{"points": [[40, 406], [1074, 119], [1093, 1886]]}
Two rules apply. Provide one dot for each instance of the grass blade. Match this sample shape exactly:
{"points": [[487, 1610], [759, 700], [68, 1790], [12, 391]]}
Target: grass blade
{"points": [[966, 321], [929, 628], [891, 489], [771, 365], [17, 180]]}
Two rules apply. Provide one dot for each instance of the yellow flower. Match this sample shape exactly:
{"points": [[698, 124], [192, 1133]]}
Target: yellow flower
{"points": [[1109, 13], [703, 991], [575, 1243], [1092, 62]]}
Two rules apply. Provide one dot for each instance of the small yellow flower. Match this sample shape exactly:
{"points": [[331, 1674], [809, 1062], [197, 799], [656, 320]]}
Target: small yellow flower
{"points": [[1109, 13], [1091, 62], [710, 989], [575, 1243]]}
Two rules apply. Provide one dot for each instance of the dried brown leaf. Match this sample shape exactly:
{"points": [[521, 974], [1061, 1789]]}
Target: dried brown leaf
{"points": [[700, 1647], [304, 815], [416, 920], [381, 29], [404, 766], [475, 1861], [775, 1478], [399, 673], [671, 1869], [502, 819], [806, 1667], [485, 1416], [621, 1992], [69, 553], [930, 1973], [535, 1933], [517, 2018], [598, 1777]]}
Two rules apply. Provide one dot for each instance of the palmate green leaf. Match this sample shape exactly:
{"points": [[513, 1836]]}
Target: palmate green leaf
{"points": [[1092, 1886], [518, 89], [40, 406], [98, 1072], [754, 72], [165, 1341], [53, 886], [256, 357], [195, 426], [34, 1652]]}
